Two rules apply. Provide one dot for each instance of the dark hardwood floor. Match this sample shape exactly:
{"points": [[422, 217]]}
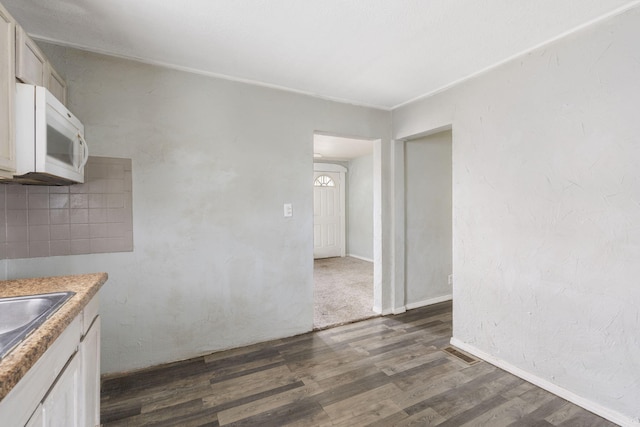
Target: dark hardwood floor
{"points": [[387, 371]]}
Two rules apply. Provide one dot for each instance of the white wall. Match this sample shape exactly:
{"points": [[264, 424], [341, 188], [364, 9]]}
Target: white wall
{"points": [[428, 219], [360, 207], [546, 210], [215, 265]]}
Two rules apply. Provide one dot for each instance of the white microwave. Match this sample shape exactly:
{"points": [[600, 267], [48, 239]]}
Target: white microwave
{"points": [[50, 145]]}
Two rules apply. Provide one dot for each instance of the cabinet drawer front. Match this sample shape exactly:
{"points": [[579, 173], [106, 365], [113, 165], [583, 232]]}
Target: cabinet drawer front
{"points": [[18, 405]]}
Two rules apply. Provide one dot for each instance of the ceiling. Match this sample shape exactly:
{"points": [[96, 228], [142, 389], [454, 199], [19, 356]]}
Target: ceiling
{"points": [[380, 53], [339, 148]]}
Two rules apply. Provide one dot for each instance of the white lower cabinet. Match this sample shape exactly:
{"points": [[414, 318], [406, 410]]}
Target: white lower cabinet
{"points": [[63, 388], [37, 419], [90, 352], [62, 405]]}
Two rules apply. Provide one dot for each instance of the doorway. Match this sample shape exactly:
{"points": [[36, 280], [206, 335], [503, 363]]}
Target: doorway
{"points": [[424, 171], [344, 242]]}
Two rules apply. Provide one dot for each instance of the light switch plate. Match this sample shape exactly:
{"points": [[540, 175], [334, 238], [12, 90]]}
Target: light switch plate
{"points": [[288, 210]]}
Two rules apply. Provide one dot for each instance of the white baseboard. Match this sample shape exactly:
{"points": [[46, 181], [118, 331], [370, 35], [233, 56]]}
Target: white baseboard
{"points": [[430, 301], [411, 306], [388, 311], [360, 257], [587, 404], [398, 310]]}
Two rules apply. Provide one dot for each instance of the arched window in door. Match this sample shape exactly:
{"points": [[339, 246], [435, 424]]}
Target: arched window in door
{"points": [[324, 181]]}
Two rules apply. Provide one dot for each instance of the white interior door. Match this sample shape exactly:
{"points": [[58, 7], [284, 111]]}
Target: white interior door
{"points": [[328, 214]]}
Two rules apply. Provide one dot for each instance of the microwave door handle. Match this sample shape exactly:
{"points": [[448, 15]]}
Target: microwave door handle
{"points": [[85, 153]]}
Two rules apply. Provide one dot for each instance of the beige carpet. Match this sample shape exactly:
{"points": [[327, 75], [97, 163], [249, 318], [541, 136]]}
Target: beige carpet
{"points": [[343, 291]]}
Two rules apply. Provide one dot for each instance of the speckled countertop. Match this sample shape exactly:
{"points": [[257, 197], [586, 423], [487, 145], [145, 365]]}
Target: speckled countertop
{"points": [[16, 364]]}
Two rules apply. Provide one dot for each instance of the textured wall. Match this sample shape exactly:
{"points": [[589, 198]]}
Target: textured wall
{"points": [[428, 218], [546, 211], [215, 263], [360, 207]]}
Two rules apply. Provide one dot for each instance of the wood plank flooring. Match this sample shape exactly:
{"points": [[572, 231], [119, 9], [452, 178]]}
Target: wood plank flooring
{"points": [[387, 371]]}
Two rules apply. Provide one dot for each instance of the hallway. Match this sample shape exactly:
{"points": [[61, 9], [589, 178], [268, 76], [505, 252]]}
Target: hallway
{"points": [[343, 291]]}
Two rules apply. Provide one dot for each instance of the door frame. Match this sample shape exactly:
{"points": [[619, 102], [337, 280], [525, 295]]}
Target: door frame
{"points": [[398, 279], [382, 286], [334, 168]]}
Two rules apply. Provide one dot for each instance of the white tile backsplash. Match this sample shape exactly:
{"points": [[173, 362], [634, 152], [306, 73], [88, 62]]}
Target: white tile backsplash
{"points": [[94, 217]]}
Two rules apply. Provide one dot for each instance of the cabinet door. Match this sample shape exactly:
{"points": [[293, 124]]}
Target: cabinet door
{"points": [[30, 61], [90, 352], [37, 419], [7, 93], [62, 404], [55, 83]]}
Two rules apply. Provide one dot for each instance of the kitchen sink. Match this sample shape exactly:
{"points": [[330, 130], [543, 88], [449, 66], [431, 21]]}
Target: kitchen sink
{"points": [[19, 316]]}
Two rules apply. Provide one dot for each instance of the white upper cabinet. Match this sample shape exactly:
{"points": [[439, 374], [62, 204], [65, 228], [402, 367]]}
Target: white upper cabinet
{"points": [[20, 59], [30, 61], [56, 85], [7, 93], [32, 66]]}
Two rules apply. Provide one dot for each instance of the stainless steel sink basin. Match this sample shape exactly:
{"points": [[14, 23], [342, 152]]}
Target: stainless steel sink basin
{"points": [[19, 316]]}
